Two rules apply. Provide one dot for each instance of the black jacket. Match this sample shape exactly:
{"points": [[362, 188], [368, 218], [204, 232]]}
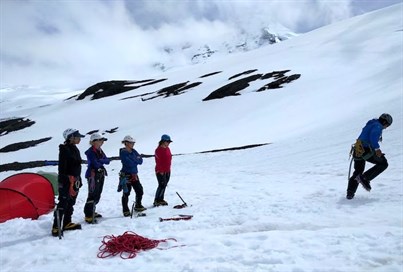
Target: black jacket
{"points": [[69, 162]]}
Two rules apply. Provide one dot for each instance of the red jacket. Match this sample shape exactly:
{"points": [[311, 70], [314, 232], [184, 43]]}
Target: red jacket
{"points": [[163, 159]]}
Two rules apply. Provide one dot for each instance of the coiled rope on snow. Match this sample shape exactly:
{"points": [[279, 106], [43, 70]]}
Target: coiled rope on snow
{"points": [[126, 245]]}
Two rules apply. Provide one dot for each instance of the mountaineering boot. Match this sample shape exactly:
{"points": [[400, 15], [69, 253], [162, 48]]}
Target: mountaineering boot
{"points": [[55, 231], [364, 182], [90, 220], [350, 194], [72, 226], [158, 203], [139, 208], [126, 213], [97, 215]]}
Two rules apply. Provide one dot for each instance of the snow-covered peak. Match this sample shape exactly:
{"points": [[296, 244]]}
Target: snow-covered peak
{"points": [[194, 51]]}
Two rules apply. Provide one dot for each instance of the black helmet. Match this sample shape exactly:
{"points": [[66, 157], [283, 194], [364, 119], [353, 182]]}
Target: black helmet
{"points": [[385, 119]]}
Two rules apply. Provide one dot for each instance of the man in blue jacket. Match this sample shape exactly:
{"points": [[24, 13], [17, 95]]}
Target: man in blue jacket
{"points": [[367, 148]]}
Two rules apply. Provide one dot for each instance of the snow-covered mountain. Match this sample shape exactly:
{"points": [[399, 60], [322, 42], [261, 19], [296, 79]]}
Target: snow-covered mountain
{"points": [[280, 206], [238, 40]]}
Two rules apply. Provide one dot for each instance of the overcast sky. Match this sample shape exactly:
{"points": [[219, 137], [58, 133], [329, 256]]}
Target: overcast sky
{"points": [[52, 42]]}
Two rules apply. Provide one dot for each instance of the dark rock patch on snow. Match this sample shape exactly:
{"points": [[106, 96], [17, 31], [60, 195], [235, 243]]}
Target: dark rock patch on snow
{"points": [[277, 83], [235, 87], [275, 74], [16, 166], [113, 87], [175, 89], [113, 130], [92, 132], [10, 125], [210, 74], [243, 73], [232, 88], [232, 148], [23, 145]]}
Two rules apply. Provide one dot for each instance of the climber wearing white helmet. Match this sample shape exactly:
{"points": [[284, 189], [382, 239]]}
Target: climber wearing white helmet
{"points": [[69, 179], [128, 176]]}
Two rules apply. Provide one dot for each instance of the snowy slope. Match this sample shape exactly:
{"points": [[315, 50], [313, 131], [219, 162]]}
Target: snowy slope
{"points": [[280, 207]]}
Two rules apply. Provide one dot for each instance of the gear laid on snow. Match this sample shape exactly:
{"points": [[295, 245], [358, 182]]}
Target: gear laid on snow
{"points": [[180, 217], [127, 245]]}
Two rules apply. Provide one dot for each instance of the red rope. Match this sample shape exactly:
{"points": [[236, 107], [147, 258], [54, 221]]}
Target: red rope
{"points": [[126, 245]]}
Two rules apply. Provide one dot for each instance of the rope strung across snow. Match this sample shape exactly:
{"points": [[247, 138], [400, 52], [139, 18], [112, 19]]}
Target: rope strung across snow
{"points": [[126, 245]]}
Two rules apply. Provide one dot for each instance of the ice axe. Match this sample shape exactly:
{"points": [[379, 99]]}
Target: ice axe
{"points": [[180, 206]]}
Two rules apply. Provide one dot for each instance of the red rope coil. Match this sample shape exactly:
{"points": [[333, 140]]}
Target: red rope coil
{"points": [[126, 245]]}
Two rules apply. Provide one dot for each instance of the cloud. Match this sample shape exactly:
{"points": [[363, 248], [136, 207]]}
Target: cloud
{"points": [[78, 43]]}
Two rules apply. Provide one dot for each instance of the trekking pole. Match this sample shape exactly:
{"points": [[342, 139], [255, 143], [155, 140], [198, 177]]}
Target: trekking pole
{"points": [[132, 211], [349, 169], [184, 203], [59, 230], [351, 161], [93, 213]]}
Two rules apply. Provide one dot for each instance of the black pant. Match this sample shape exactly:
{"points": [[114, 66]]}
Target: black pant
{"points": [[138, 189], [163, 179], [65, 205], [359, 166], [95, 187]]}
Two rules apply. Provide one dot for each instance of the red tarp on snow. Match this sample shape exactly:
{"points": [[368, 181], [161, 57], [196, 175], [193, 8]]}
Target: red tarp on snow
{"points": [[26, 195]]}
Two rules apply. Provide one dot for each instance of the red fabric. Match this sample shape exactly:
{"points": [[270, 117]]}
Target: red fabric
{"points": [[163, 159], [25, 195]]}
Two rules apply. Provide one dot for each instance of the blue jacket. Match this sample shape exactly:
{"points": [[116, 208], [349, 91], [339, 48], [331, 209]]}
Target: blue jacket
{"points": [[96, 160], [130, 160], [371, 134]]}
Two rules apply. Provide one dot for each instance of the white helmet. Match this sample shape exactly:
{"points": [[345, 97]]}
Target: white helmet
{"points": [[129, 139], [70, 131], [97, 136]]}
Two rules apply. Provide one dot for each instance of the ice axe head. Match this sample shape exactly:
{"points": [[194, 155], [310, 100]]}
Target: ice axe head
{"points": [[180, 206]]}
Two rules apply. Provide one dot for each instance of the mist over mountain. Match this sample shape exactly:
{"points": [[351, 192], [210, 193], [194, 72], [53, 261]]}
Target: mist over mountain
{"points": [[74, 44]]}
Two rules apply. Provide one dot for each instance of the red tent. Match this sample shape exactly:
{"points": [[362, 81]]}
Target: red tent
{"points": [[26, 195]]}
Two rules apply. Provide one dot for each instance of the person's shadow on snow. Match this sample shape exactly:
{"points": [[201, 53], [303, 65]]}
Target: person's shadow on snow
{"points": [[357, 201]]}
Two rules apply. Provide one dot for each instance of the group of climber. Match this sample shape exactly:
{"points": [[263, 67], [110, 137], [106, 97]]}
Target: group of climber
{"points": [[366, 149], [69, 177]]}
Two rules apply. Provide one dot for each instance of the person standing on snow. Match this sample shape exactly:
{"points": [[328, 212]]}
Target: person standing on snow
{"points": [[367, 148], [95, 175], [128, 176], [163, 159], [69, 180]]}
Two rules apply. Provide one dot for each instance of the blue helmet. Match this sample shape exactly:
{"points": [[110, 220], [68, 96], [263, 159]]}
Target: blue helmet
{"points": [[166, 138]]}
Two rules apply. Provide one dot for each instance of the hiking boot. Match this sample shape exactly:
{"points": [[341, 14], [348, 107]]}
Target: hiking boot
{"points": [[364, 182], [97, 215], [72, 226], [139, 208], [350, 194], [55, 231], [126, 214], [158, 203], [89, 220]]}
